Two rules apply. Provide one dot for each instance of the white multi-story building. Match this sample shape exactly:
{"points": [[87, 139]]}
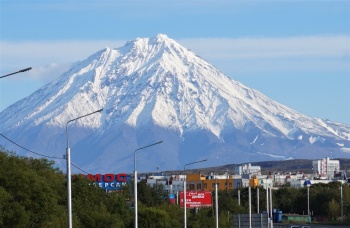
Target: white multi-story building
{"points": [[247, 169], [325, 166], [172, 183]]}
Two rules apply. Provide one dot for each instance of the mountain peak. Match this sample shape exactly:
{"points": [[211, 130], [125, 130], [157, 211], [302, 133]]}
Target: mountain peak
{"points": [[154, 87], [160, 38]]}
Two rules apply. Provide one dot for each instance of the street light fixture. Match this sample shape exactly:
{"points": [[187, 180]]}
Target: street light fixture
{"points": [[20, 71], [185, 216], [69, 180], [135, 180], [307, 183]]}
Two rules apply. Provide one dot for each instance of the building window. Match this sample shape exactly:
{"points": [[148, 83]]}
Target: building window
{"points": [[213, 186], [191, 186], [199, 186], [230, 184], [205, 185]]}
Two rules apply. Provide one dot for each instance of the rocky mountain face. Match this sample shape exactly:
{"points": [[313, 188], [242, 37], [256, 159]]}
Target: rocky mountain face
{"points": [[153, 89]]}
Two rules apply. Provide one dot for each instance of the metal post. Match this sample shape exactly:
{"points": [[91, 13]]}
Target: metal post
{"points": [[239, 197], [267, 202], [185, 203], [135, 182], [250, 206], [216, 205], [308, 203], [135, 192], [69, 180], [271, 207], [177, 197], [257, 200], [341, 203], [69, 188]]}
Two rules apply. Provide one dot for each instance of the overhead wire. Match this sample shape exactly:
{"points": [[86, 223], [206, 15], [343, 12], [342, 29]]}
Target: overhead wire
{"points": [[46, 156]]}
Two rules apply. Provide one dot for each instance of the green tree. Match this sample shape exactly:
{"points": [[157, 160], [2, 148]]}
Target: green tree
{"points": [[333, 210], [151, 196]]}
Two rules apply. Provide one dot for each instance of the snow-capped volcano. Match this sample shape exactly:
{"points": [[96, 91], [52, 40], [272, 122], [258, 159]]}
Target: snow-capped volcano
{"points": [[154, 89]]}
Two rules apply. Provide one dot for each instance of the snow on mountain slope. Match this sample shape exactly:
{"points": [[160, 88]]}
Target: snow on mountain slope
{"points": [[154, 89]]}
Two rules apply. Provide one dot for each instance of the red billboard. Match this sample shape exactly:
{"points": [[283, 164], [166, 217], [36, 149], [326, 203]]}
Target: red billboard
{"points": [[196, 199]]}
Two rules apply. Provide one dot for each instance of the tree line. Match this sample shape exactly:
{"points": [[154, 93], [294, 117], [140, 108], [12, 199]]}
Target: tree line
{"points": [[33, 194]]}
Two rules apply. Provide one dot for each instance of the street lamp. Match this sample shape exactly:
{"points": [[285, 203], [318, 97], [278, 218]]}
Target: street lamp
{"points": [[307, 183], [185, 216], [217, 199], [135, 180], [69, 181], [341, 203], [20, 71], [216, 203]]}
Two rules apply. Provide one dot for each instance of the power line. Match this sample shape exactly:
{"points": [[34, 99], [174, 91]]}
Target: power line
{"points": [[39, 153], [79, 168], [29, 150]]}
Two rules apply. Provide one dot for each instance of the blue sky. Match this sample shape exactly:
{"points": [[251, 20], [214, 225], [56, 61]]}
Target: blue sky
{"points": [[295, 52]]}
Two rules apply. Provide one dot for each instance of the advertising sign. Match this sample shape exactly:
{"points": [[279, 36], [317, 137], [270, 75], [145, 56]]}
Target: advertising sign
{"points": [[110, 181], [196, 199]]}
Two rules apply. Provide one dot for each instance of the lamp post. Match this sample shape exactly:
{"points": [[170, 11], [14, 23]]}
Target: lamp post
{"points": [[271, 215], [20, 71], [216, 203], [135, 180], [185, 216], [69, 180], [341, 203], [267, 202], [250, 206], [307, 183]]}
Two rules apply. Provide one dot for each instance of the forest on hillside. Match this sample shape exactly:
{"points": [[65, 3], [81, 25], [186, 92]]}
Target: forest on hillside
{"points": [[33, 194]]}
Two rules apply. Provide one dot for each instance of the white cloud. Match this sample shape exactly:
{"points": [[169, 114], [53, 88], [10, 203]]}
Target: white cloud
{"points": [[49, 59], [47, 73], [266, 55], [258, 48]]}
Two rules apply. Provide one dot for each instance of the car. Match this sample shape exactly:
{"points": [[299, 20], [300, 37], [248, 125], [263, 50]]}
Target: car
{"points": [[293, 226]]}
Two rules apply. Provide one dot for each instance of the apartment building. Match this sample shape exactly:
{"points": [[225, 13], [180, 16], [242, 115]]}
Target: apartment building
{"points": [[247, 169], [325, 167]]}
